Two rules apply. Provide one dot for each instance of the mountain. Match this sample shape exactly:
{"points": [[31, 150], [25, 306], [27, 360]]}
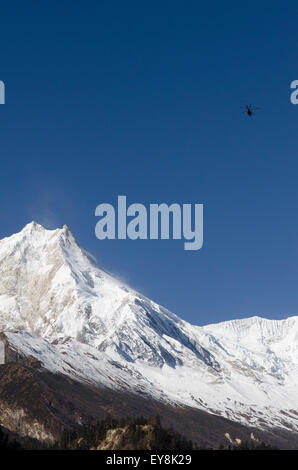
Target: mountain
{"points": [[61, 315]]}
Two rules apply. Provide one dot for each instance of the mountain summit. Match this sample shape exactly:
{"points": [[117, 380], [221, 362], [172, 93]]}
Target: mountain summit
{"points": [[58, 307]]}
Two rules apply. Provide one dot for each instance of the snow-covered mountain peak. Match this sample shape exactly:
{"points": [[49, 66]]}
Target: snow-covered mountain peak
{"points": [[51, 287], [36, 236], [76, 319], [37, 278], [31, 226], [257, 329]]}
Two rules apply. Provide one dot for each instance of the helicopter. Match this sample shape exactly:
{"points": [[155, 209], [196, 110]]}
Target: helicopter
{"points": [[249, 110]]}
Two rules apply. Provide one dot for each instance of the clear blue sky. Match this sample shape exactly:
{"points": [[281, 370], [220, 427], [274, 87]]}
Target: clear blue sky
{"points": [[105, 98]]}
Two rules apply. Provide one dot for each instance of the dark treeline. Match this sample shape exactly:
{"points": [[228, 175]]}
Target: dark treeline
{"points": [[250, 446], [138, 434], [7, 443], [121, 434]]}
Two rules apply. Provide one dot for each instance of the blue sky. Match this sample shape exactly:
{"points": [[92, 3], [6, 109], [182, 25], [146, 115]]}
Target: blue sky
{"points": [[105, 98]]}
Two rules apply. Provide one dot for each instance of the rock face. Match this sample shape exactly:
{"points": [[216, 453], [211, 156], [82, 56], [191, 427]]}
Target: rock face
{"points": [[2, 353], [61, 313]]}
